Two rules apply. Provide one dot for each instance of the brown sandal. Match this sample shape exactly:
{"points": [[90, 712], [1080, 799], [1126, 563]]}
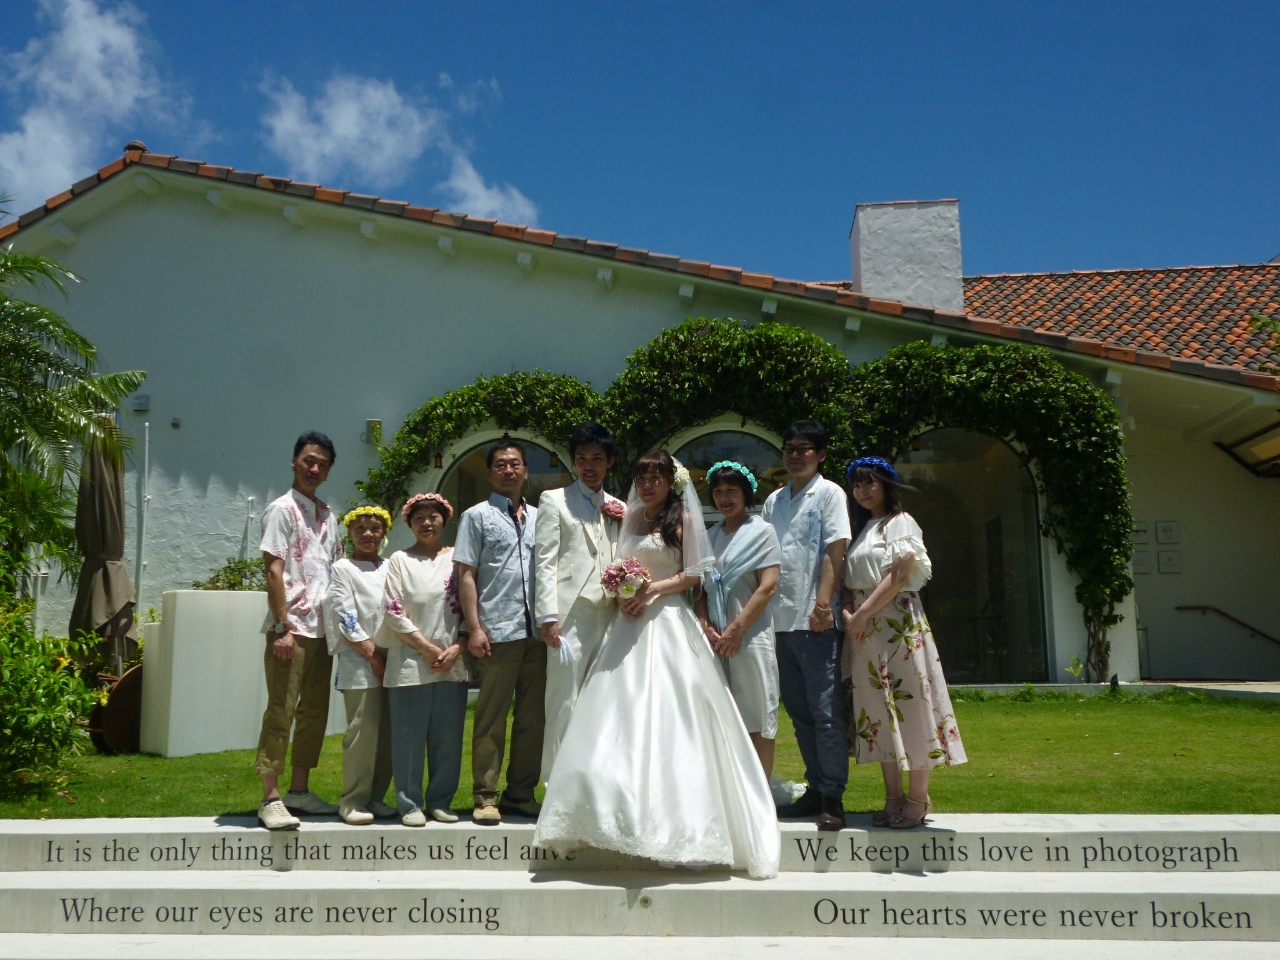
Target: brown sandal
{"points": [[892, 808], [903, 822]]}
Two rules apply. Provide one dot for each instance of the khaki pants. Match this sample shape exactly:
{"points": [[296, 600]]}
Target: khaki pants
{"points": [[366, 749], [297, 692], [516, 668]]}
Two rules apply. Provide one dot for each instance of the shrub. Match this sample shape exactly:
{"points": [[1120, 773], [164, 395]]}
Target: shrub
{"points": [[236, 575], [42, 694]]}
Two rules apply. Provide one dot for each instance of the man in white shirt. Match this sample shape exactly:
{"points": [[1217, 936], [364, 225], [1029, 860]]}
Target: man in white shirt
{"points": [[811, 517], [574, 539], [300, 542]]}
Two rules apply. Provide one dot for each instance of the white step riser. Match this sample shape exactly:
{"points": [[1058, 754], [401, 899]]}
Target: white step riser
{"points": [[654, 906], [177, 947], [76, 846]]}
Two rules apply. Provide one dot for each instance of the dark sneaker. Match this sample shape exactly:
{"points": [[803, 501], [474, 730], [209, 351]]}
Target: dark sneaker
{"points": [[810, 803], [832, 816], [528, 809]]}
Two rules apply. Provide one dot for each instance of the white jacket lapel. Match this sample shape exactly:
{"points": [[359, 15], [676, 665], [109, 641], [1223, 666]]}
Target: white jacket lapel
{"points": [[582, 510]]}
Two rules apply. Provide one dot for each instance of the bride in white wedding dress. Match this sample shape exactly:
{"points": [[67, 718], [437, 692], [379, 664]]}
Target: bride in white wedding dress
{"points": [[656, 762]]}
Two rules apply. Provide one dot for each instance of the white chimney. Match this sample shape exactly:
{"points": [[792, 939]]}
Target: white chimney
{"points": [[909, 251]]}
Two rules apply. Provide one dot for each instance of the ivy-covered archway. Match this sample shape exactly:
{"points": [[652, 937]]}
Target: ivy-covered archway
{"points": [[1067, 430]]}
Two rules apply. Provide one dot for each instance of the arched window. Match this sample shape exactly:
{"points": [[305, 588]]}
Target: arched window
{"points": [[977, 505], [466, 479], [754, 450]]}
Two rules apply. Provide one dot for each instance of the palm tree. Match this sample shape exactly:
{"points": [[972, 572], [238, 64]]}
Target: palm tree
{"points": [[52, 403]]}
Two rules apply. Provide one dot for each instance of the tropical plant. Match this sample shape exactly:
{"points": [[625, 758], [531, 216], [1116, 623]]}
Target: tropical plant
{"points": [[235, 574], [52, 402], [42, 693]]}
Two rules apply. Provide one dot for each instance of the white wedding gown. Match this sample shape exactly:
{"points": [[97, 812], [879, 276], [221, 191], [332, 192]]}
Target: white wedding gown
{"points": [[656, 762]]}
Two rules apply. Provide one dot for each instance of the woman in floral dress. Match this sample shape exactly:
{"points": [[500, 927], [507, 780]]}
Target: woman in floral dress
{"points": [[900, 715]]}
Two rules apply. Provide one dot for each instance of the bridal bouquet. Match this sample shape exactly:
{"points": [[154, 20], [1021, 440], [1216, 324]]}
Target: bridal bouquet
{"points": [[624, 578]]}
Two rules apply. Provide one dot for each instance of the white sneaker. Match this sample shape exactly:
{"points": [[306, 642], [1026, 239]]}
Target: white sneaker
{"points": [[414, 818], [383, 811], [355, 816], [275, 816], [440, 815], [308, 802]]}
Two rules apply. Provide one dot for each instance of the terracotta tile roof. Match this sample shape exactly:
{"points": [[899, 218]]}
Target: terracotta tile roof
{"points": [[1191, 313], [841, 294]]}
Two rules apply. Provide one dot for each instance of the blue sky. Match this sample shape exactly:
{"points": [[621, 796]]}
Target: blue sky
{"points": [[1076, 136]]}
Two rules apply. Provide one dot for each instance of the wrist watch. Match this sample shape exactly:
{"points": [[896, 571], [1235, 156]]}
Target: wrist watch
{"points": [[280, 628]]}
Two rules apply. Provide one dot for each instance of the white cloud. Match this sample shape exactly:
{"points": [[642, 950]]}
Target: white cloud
{"points": [[87, 78], [469, 193], [357, 126], [366, 129]]}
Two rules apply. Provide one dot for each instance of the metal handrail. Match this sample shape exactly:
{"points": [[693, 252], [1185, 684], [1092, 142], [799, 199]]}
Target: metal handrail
{"points": [[1253, 631]]}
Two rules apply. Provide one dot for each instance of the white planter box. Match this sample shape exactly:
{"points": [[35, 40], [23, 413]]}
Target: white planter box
{"points": [[203, 689]]}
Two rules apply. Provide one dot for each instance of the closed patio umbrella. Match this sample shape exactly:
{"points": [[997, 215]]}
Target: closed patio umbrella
{"points": [[104, 596]]}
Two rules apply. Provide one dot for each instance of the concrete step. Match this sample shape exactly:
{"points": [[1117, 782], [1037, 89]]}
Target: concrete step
{"points": [[949, 843], [249, 947], [1074, 906]]}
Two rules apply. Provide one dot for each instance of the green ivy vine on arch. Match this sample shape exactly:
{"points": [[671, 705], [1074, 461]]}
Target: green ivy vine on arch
{"points": [[1063, 427], [1067, 431]]}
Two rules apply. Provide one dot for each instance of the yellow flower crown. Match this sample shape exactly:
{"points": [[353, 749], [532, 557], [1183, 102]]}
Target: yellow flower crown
{"points": [[368, 511]]}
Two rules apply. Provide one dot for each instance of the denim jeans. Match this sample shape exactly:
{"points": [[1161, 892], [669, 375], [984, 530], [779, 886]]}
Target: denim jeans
{"points": [[809, 675]]}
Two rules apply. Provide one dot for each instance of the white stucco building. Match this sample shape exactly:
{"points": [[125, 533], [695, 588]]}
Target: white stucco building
{"points": [[261, 307]]}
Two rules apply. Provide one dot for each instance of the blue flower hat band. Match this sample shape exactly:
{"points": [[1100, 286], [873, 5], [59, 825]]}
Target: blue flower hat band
{"points": [[876, 462], [735, 465]]}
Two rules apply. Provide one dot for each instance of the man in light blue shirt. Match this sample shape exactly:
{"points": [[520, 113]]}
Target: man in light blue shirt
{"points": [[494, 553], [811, 517]]}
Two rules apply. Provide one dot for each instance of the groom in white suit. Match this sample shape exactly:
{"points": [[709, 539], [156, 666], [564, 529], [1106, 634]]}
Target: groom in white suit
{"points": [[574, 540]]}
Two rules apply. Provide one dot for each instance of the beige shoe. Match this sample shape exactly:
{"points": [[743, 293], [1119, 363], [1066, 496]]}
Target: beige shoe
{"points": [[355, 816], [274, 816], [486, 814], [414, 818], [441, 815]]}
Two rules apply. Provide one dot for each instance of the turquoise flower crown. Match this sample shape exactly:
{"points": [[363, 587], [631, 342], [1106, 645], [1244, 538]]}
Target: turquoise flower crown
{"points": [[884, 465], [734, 465]]}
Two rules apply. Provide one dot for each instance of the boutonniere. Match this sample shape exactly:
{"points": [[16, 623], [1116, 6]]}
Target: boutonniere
{"points": [[613, 508]]}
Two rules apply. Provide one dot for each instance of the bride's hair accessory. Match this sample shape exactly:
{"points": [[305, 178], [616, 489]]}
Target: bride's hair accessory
{"points": [[681, 475], [624, 578], [872, 463], [734, 465], [368, 510], [433, 498]]}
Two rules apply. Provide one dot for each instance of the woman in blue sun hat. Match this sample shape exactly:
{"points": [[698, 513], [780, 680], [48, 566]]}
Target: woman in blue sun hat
{"points": [[900, 712]]}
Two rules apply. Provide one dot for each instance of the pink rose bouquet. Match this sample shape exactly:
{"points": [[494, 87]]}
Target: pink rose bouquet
{"points": [[624, 578]]}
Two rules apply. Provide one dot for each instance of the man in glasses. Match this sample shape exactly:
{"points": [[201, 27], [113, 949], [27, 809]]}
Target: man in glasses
{"points": [[811, 517], [494, 554]]}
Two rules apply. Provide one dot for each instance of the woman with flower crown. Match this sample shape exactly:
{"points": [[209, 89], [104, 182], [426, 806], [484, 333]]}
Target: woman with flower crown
{"points": [[734, 611], [656, 762], [900, 715], [353, 612], [425, 678]]}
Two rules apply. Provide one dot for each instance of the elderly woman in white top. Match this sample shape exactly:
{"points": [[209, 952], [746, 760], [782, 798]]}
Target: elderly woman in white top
{"points": [[734, 610], [901, 715], [353, 612], [425, 679]]}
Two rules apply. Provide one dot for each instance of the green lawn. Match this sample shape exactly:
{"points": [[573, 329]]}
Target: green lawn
{"points": [[1172, 753]]}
